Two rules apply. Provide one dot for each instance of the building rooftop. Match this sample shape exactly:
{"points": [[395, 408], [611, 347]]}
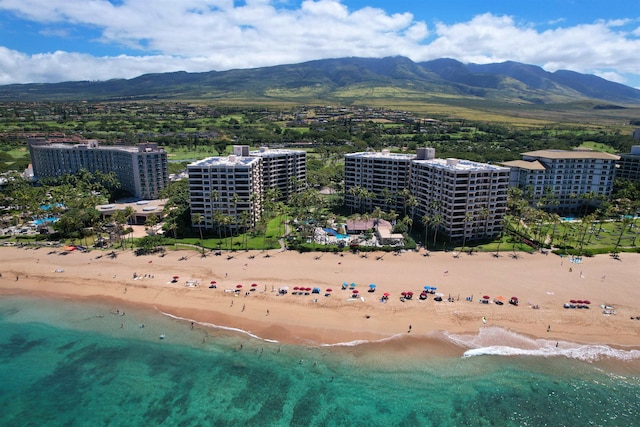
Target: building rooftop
{"points": [[574, 154], [523, 164], [384, 154], [228, 161], [269, 152], [460, 165]]}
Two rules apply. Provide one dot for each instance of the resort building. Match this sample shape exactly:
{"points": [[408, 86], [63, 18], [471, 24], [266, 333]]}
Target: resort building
{"points": [[375, 179], [226, 188], [466, 199], [141, 170], [282, 169], [561, 179], [629, 165]]}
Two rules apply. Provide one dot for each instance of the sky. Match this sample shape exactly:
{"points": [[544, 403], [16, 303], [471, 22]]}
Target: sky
{"points": [[45, 41]]}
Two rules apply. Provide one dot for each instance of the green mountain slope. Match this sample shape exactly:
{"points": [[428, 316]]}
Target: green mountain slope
{"points": [[346, 80]]}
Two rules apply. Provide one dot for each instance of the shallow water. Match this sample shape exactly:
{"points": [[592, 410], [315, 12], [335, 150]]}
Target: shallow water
{"points": [[70, 363]]}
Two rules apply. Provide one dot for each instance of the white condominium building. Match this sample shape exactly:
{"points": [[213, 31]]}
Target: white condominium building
{"points": [[629, 165], [282, 169], [226, 187], [382, 174], [468, 198], [142, 170], [559, 178]]}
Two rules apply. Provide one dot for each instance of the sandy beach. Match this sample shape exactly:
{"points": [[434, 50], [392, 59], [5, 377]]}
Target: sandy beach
{"points": [[545, 281]]}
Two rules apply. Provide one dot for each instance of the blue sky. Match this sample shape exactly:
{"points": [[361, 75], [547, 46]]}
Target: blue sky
{"points": [[62, 40]]}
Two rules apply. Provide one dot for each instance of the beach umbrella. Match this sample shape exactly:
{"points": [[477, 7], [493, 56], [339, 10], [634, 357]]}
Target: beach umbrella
{"points": [[329, 290], [409, 293], [353, 285], [572, 301], [213, 282], [586, 301], [579, 301], [486, 297], [176, 277], [386, 294], [295, 288], [501, 298], [253, 285], [427, 288], [403, 293], [238, 286], [355, 291], [372, 286]]}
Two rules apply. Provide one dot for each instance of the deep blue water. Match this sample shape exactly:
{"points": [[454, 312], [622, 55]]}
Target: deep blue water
{"points": [[66, 363]]}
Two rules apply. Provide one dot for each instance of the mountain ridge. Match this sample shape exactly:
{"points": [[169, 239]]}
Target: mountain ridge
{"points": [[345, 80]]}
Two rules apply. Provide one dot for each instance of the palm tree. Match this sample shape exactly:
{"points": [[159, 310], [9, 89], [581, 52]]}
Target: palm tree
{"points": [[468, 217], [198, 218], [436, 222], [425, 221]]}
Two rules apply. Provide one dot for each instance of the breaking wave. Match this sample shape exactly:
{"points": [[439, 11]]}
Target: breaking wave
{"points": [[496, 341]]}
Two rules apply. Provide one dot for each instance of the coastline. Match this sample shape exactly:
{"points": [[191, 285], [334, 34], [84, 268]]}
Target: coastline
{"points": [[339, 319]]}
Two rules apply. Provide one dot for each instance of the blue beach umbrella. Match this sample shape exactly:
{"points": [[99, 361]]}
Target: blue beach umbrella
{"points": [[427, 288], [372, 286]]}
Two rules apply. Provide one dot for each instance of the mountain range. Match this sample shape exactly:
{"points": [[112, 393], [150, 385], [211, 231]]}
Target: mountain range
{"points": [[346, 80]]}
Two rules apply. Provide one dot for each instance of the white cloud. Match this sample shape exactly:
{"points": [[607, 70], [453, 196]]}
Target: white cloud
{"points": [[199, 35]]}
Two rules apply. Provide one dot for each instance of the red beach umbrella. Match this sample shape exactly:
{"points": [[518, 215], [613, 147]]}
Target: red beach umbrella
{"points": [[403, 293], [355, 291], [514, 298], [572, 301], [176, 277], [409, 293], [213, 282], [579, 301], [253, 285], [238, 286], [486, 297], [296, 288], [386, 294], [329, 290], [586, 302]]}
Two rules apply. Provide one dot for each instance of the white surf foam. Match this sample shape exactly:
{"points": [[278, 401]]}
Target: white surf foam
{"points": [[225, 328], [496, 341]]}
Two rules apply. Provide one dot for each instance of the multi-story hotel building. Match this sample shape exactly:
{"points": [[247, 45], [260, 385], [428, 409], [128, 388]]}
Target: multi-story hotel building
{"points": [[282, 169], [470, 198], [229, 185], [629, 165], [382, 174], [561, 177], [142, 170]]}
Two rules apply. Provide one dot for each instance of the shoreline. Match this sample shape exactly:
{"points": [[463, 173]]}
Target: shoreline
{"points": [[293, 319]]}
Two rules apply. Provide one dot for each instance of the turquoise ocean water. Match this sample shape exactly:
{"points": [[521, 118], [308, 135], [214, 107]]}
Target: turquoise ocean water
{"points": [[69, 363]]}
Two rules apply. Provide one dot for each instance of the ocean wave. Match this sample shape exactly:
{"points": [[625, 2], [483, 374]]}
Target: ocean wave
{"points": [[225, 328], [496, 341], [355, 343]]}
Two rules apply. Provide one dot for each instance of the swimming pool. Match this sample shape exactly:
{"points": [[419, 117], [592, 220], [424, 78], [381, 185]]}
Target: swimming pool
{"points": [[44, 220], [336, 234]]}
